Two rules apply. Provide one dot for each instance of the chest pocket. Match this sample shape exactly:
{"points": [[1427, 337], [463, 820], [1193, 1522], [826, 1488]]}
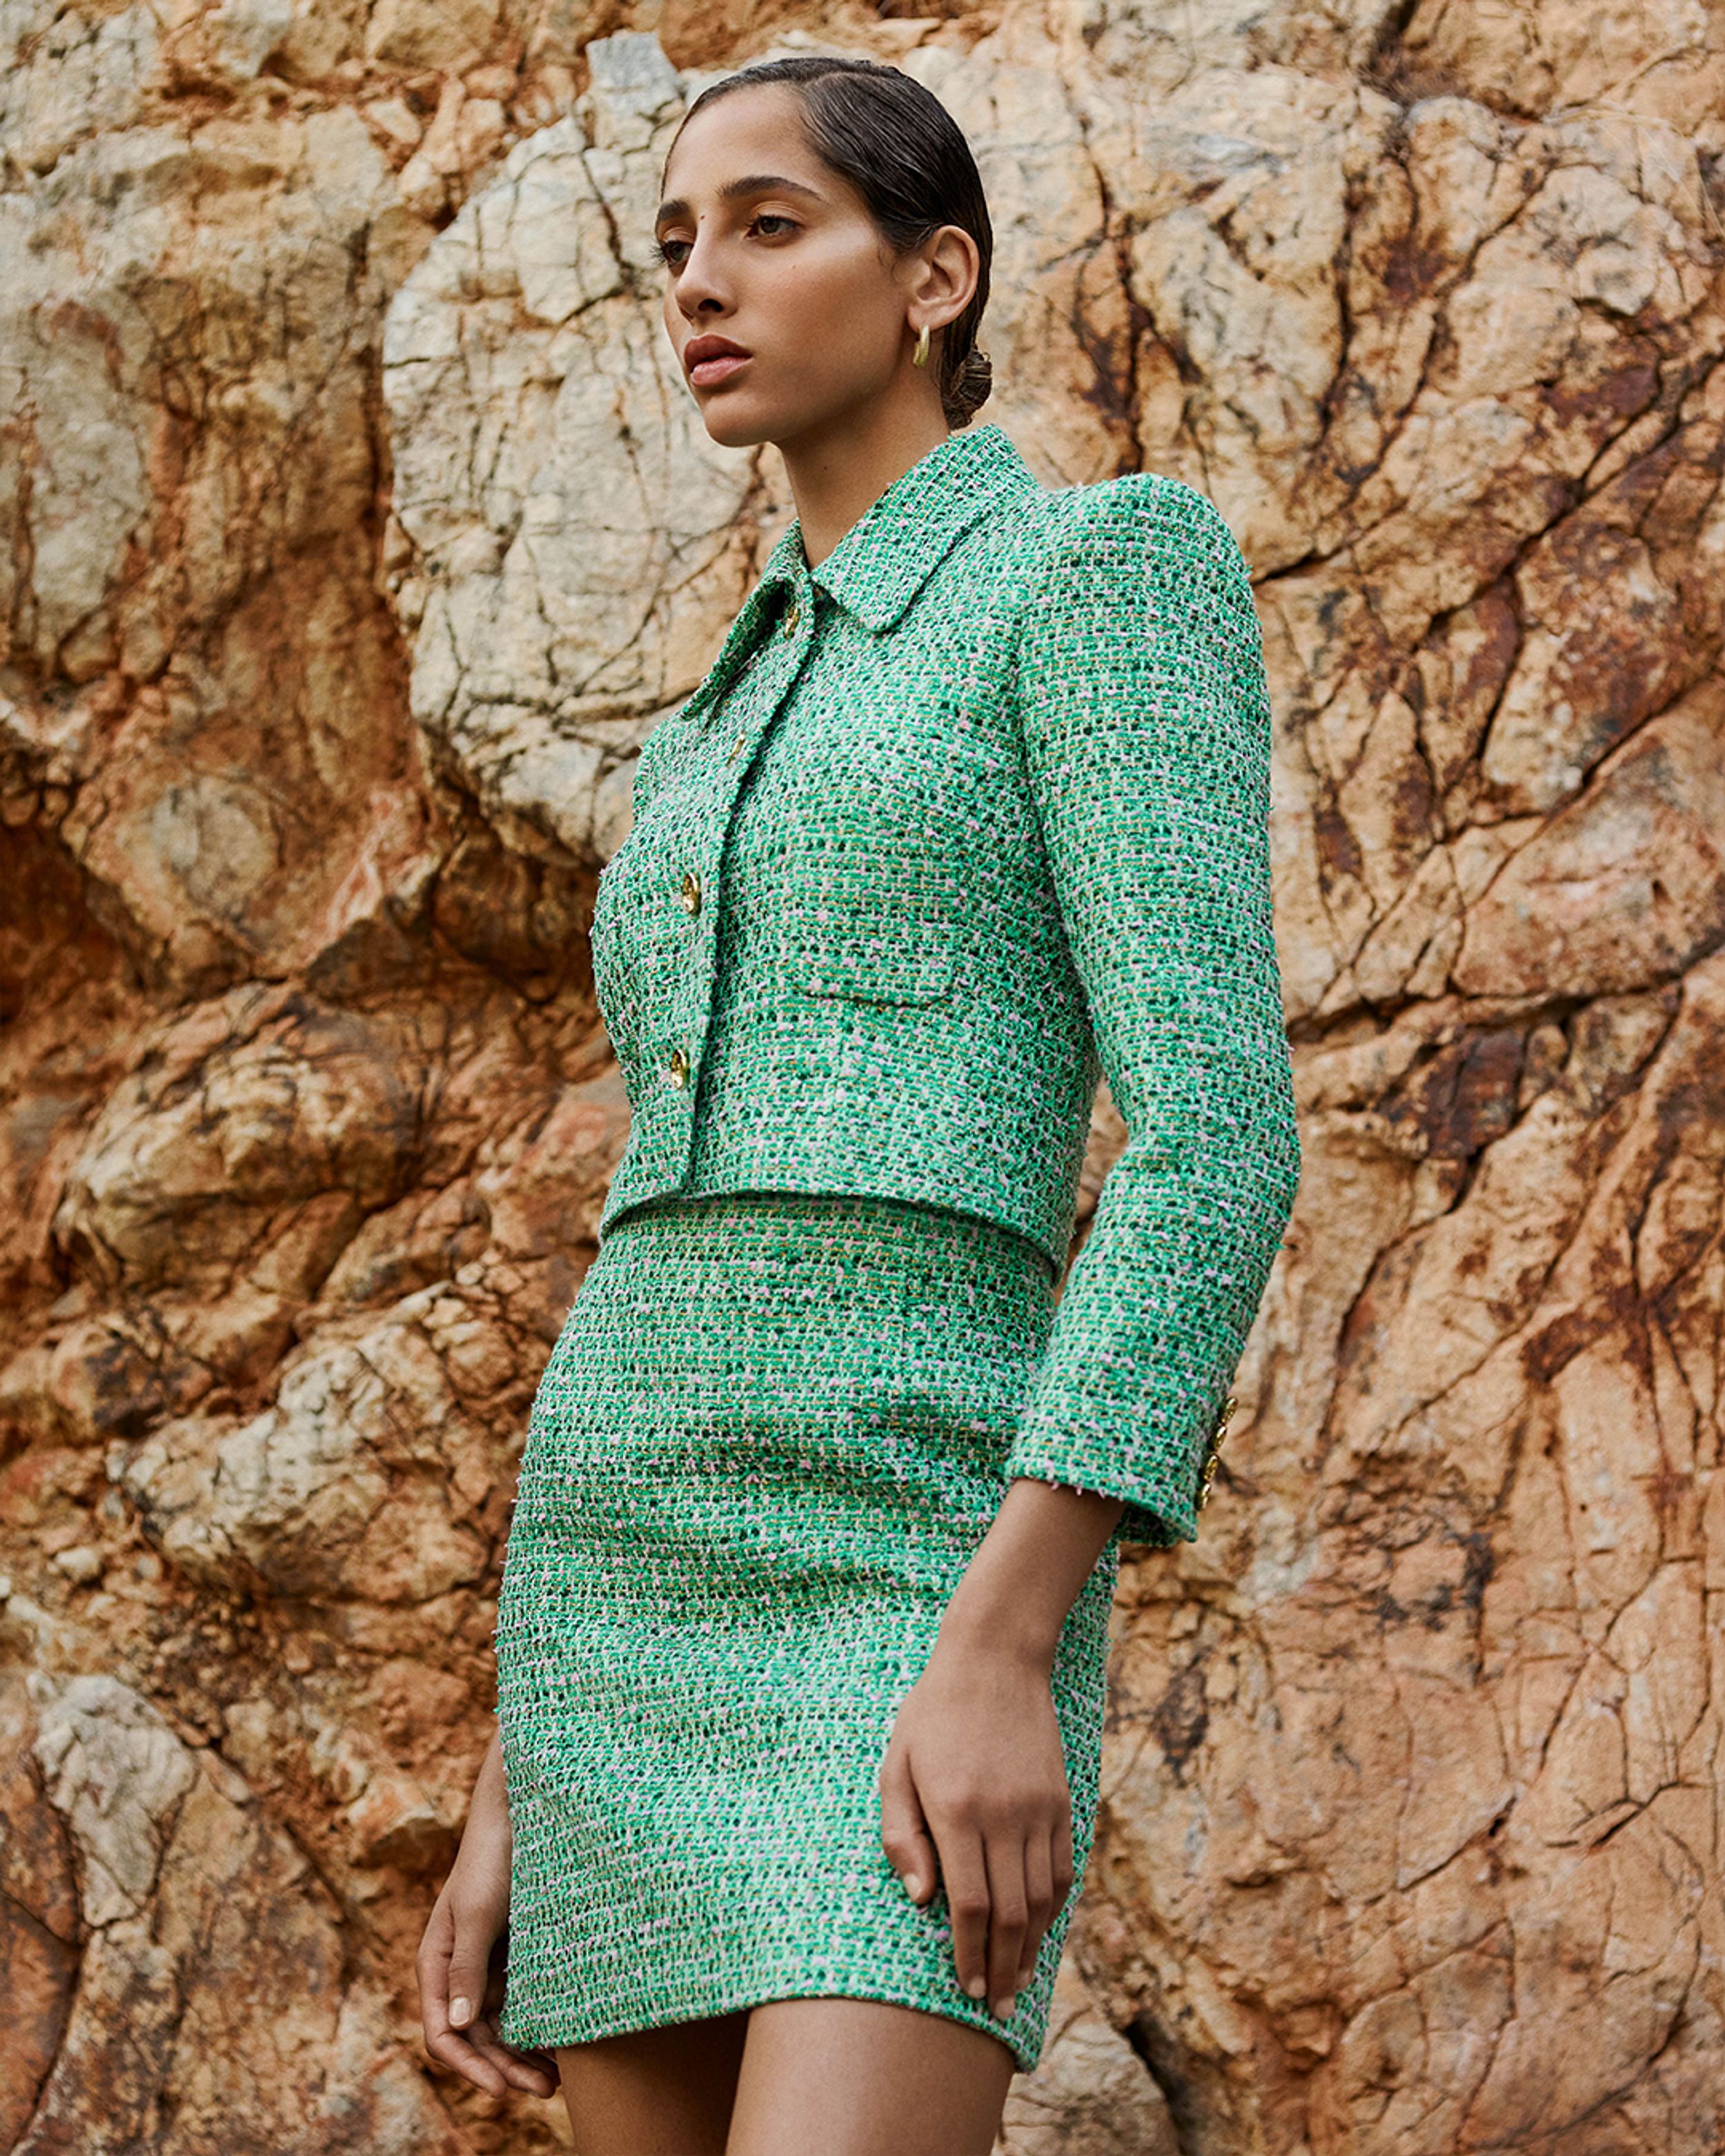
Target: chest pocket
{"points": [[859, 827], [865, 953]]}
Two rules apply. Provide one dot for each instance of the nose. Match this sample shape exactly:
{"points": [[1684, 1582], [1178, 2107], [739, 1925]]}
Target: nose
{"points": [[697, 287]]}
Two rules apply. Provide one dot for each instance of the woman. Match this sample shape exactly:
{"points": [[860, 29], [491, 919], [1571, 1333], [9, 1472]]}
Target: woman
{"points": [[803, 1634]]}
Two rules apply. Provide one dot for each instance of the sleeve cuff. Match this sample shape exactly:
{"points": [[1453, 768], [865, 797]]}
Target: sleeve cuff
{"points": [[1157, 1514]]}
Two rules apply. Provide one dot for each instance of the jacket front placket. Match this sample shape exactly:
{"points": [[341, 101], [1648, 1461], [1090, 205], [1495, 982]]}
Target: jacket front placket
{"points": [[745, 690], [875, 572]]}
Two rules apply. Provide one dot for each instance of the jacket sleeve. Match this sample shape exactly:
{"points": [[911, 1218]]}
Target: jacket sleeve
{"points": [[1145, 727]]}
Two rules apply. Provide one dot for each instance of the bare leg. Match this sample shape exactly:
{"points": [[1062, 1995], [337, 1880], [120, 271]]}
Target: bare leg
{"points": [[862, 2077], [665, 2091]]}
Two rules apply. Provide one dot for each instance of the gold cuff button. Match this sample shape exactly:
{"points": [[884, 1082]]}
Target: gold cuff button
{"points": [[1213, 1450], [677, 1070], [790, 619], [691, 893], [736, 748]]}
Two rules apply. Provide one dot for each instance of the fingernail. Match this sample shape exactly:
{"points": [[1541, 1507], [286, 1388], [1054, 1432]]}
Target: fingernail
{"points": [[459, 2009], [913, 1884], [977, 1986], [1002, 2012]]}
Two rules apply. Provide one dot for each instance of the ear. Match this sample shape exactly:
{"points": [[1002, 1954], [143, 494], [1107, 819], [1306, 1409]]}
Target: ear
{"points": [[948, 266]]}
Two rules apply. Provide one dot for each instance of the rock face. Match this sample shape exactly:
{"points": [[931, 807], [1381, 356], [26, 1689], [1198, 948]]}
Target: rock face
{"points": [[360, 529]]}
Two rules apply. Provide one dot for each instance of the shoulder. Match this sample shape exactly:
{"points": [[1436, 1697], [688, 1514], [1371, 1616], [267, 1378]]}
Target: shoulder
{"points": [[1139, 527], [1141, 505]]}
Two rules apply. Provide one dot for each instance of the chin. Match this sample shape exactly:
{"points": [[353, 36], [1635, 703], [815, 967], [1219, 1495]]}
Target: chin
{"points": [[734, 430], [748, 422], [735, 426]]}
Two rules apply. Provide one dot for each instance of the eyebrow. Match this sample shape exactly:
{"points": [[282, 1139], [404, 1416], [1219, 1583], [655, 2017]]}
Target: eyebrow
{"points": [[752, 183]]}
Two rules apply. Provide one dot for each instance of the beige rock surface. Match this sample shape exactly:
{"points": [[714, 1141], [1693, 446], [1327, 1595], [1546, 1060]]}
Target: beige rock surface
{"points": [[359, 530]]}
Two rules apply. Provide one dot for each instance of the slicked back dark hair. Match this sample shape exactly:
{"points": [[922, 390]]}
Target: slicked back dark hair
{"points": [[904, 153]]}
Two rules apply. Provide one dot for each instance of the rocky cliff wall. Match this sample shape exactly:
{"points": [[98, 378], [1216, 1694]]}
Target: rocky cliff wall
{"points": [[358, 530]]}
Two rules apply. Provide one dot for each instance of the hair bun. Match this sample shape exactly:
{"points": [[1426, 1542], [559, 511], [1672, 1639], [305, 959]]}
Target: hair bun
{"points": [[970, 386]]}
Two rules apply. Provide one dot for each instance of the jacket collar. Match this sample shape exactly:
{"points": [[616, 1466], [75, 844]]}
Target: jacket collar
{"points": [[887, 556]]}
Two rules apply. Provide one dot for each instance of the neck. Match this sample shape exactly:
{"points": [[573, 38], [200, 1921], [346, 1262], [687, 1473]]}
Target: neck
{"points": [[841, 469]]}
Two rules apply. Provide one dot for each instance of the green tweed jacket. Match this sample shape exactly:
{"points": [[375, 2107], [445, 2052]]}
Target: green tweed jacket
{"points": [[973, 812]]}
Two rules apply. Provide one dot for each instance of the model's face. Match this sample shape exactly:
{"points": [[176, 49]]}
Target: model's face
{"points": [[766, 249]]}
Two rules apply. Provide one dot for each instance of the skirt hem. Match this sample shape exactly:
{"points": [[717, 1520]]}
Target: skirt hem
{"points": [[550, 2031]]}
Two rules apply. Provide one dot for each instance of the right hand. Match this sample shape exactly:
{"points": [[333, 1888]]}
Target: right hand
{"points": [[973, 1787], [460, 1960]]}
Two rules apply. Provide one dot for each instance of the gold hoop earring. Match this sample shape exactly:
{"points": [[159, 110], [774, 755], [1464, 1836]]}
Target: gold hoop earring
{"points": [[920, 357]]}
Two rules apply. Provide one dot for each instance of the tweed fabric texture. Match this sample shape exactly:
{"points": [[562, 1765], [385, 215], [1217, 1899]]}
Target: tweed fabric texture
{"points": [[768, 1440], [963, 819], [970, 814]]}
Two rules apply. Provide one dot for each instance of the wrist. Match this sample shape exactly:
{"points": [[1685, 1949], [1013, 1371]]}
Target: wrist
{"points": [[980, 1626], [1020, 1586], [488, 1820]]}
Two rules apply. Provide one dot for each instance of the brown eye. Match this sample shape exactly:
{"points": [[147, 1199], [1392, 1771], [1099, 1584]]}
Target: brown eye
{"points": [[663, 248]]}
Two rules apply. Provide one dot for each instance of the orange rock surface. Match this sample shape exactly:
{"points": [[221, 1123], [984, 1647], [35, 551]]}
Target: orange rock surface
{"points": [[360, 528]]}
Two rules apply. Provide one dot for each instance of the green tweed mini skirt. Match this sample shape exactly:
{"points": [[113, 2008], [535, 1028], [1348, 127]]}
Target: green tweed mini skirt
{"points": [[767, 1442]]}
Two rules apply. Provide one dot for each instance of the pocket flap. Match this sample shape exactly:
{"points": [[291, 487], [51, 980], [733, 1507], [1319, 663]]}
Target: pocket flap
{"points": [[879, 960]]}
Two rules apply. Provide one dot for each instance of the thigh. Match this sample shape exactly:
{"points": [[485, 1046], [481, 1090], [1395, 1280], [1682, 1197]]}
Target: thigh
{"points": [[665, 2091], [865, 2077]]}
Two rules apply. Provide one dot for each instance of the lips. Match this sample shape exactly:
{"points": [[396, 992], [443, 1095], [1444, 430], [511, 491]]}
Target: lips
{"points": [[710, 358]]}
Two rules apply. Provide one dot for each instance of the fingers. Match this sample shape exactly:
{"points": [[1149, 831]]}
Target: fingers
{"points": [[532, 2071], [964, 1868], [904, 1831], [1009, 1912], [470, 1961], [480, 2055], [1004, 1887], [452, 1968], [1039, 1901], [431, 1967], [1062, 1844], [448, 2047], [444, 2042], [536, 2071]]}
